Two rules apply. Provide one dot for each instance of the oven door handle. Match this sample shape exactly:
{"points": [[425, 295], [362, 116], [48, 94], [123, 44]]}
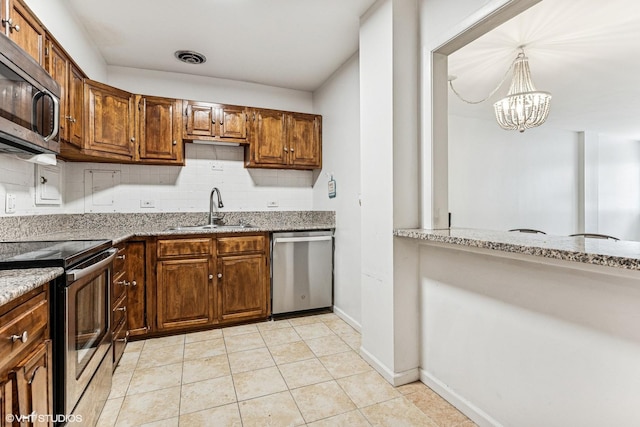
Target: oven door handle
{"points": [[79, 273]]}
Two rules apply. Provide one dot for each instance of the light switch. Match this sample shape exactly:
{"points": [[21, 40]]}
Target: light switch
{"points": [[10, 206]]}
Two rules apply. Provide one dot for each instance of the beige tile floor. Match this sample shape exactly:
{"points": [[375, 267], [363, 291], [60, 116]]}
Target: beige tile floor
{"points": [[304, 371]]}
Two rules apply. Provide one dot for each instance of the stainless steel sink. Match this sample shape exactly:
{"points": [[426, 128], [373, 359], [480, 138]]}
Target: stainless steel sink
{"points": [[210, 227]]}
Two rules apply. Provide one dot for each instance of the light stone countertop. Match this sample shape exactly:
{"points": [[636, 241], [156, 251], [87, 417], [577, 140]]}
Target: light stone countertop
{"points": [[15, 283], [610, 253]]}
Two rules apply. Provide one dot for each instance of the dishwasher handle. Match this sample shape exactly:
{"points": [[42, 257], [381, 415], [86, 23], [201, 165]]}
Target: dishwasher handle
{"points": [[301, 239]]}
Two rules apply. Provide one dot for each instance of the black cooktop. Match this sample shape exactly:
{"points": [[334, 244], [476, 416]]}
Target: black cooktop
{"points": [[48, 253]]}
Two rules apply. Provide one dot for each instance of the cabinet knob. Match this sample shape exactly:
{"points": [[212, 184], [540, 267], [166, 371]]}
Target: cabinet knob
{"points": [[124, 309], [123, 283], [70, 119], [22, 337], [219, 275], [133, 139], [175, 142], [134, 283], [210, 276], [291, 149], [286, 149], [12, 27], [121, 256]]}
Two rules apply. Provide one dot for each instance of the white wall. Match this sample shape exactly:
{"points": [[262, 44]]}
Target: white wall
{"points": [[199, 88], [520, 343], [619, 187], [389, 183], [500, 180], [338, 101]]}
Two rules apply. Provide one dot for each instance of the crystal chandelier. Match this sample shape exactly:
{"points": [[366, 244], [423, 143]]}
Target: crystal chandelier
{"points": [[524, 107]]}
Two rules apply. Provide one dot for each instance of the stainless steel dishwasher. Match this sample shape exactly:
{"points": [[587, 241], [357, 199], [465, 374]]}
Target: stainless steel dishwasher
{"points": [[301, 271]]}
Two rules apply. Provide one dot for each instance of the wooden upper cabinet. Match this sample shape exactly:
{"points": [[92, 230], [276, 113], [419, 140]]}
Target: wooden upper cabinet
{"points": [[74, 118], [21, 26], [159, 129], [214, 122], [109, 120], [269, 138], [284, 140], [303, 140]]}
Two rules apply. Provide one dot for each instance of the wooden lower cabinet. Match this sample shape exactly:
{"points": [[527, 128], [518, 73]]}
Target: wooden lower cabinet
{"points": [[241, 287], [202, 282], [25, 360], [137, 318], [185, 293]]}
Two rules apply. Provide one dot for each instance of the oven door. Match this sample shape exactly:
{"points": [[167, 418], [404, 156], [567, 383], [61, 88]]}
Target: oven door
{"points": [[87, 328]]}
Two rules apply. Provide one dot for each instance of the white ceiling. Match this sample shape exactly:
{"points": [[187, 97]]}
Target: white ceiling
{"points": [[586, 53], [294, 44]]}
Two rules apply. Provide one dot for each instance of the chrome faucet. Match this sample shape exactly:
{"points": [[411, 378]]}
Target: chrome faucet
{"points": [[218, 217]]}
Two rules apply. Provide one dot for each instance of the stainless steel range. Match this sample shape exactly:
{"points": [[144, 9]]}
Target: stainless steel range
{"points": [[80, 319]]}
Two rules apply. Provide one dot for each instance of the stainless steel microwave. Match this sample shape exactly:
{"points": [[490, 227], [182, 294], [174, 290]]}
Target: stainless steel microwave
{"points": [[29, 103]]}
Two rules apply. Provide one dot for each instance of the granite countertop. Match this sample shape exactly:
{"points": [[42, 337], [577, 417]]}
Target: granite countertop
{"points": [[15, 283], [618, 254]]}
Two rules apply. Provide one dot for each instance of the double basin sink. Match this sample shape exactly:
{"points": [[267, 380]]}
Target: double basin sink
{"points": [[221, 227]]}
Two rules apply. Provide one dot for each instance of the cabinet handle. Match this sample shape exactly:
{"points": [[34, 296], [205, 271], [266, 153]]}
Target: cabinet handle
{"points": [[175, 143], [121, 256], [70, 119], [23, 337], [219, 275], [134, 283], [123, 283], [123, 309], [11, 26], [211, 277]]}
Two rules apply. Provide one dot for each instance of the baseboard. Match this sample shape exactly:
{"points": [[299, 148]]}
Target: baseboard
{"points": [[394, 378], [477, 415], [350, 320]]}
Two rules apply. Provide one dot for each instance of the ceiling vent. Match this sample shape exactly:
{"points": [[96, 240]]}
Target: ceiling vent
{"points": [[190, 57]]}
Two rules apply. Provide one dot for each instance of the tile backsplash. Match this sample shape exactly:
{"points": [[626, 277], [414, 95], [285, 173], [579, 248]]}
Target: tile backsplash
{"points": [[148, 189]]}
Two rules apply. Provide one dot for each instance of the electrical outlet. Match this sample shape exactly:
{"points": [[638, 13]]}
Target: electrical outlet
{"points": [[10, 206], [147, 203], [272, 204], [217, 166]]}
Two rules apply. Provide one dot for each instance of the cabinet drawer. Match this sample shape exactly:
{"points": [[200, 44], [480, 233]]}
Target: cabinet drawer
{"points": [[119, 311], [119, 285], [119, 261], [120, 338], [29, 321], [183, 247], [235, 245]]}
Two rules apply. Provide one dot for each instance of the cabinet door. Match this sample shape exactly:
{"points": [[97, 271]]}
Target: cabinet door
{"points": [[269, 138], [304, 141], [137, 289], [184, 292], [200, 119], [109, 122], [75, 105], [242, 287], [24, 29], [233, 122], [57, 64], [33, 383], [159, 128], [6, 402]]}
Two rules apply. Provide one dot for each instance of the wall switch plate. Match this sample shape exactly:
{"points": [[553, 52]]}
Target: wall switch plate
{"points": [[272, 204], [10, 206], [147, 203]]}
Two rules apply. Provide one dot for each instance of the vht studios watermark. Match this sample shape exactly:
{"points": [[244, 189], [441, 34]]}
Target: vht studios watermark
{"points": [[43, 418]]}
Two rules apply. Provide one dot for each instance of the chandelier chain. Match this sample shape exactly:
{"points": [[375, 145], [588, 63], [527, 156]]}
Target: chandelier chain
{"points": [[504, 78]]}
